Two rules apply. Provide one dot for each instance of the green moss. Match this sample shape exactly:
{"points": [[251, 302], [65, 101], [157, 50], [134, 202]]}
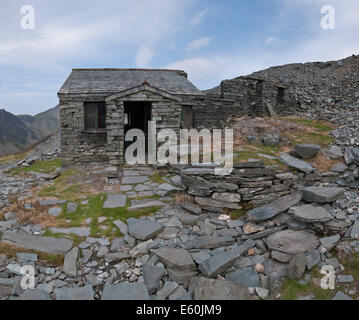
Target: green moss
{"points": [[157, 178], [40, 166], [237, 214]]}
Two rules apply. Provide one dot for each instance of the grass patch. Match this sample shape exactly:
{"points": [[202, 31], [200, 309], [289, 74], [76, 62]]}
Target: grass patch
{"points": [[314, 138], [292, 289], [39, 166], [317, 125], [257, 152], [94, 209], [60, 189]]}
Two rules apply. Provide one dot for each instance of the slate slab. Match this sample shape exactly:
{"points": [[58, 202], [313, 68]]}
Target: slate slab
{"points": [[142, 204], [322, 194], [175, 258], [274, 208], [292, 242], [297, 164], [152, 276], [209, 289], [79, 293], [80, 231], [115, 201], [32, 295], [43, 244], [309, 213], [125, 291], [143, 229], [247, 277], [134, 179], [221, 262], [70, 262]]}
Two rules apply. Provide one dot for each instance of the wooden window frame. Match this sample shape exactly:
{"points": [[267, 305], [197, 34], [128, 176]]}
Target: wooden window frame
{"points": [[97, 127]]}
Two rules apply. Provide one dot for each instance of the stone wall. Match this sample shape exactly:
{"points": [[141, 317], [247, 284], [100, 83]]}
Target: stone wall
{"points": [[250, 185], [77, 145]]}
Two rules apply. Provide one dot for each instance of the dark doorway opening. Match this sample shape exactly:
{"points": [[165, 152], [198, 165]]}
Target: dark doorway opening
{"points": [[137, 115], [187, 117]]}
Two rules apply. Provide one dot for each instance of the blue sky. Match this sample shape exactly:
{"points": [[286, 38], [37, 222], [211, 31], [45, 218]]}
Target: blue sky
{"points": [[211, 40]]}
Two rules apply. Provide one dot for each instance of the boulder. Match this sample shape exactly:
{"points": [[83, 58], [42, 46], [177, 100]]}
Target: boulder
{"points": [[305, 151]]}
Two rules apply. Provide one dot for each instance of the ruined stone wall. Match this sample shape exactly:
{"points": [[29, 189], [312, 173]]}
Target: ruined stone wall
{"points": [[78, 145], [242, 97], [250, 185]]}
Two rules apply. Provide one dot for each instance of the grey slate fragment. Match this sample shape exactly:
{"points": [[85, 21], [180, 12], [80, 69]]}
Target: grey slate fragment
{"points": [[297, 164], [143, 229], [152, 276], [221, 262], [115, 201], [322, 194], [209, 289], [125, 291], [271, 210]]}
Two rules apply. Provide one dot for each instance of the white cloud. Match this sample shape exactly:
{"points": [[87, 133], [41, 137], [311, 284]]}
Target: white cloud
{"points": [[269, 40], [144, 56], [198, 18], [199, 43]]}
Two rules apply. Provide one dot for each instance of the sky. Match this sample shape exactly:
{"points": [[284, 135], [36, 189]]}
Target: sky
{"points": [[211, 40]]}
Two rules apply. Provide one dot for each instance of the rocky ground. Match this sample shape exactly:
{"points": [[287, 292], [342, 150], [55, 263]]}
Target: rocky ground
{"points": [[99, 232]]}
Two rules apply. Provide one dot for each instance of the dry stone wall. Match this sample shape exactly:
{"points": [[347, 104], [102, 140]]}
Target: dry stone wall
{"points": [[250, 185]]}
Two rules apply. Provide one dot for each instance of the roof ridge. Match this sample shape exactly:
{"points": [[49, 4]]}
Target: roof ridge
{"points": [[125, 69]]}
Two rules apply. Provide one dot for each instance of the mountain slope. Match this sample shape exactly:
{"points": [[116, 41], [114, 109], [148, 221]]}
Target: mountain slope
{"points": [[18, 133]]}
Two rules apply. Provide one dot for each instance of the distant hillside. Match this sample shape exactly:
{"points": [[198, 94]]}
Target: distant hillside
{"points": [[18, 133]]}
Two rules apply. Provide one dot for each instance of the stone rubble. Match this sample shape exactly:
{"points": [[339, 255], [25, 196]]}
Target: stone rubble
{"points": [[193, 249]]}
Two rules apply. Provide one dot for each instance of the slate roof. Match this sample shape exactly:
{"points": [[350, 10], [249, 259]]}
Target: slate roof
{"points": [[116, 80]]}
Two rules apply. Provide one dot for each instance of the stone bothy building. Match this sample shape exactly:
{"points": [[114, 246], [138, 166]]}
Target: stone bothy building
{"points": [[98, 107]]}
